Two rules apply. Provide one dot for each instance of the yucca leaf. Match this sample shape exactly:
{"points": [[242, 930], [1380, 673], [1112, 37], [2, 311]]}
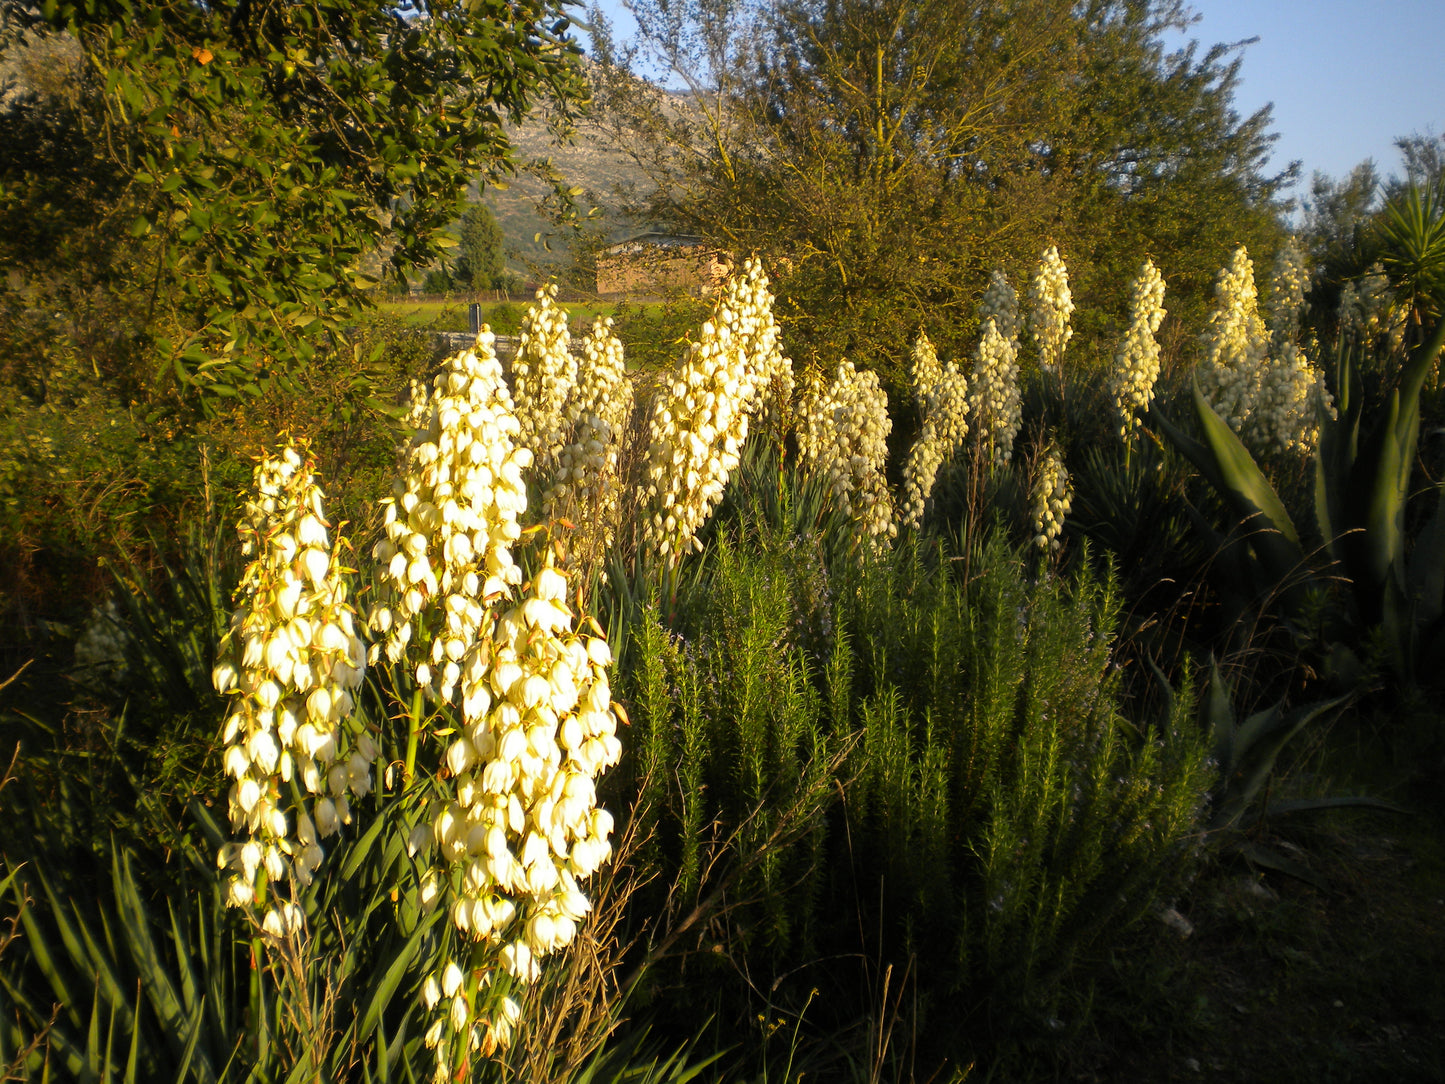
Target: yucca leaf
{"points": [[44, 957], [155, 980], [93, 1068], [385, 988], [102, 963], [133, 1058], [189, 1050], [190, 992]]}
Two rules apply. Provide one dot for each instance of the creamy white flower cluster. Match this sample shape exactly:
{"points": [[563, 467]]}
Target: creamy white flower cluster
{"points": [[750, 300], [1287, 284], [843, 437], [1287, 408], [925, 371], [994, 400], [1273, 403], [945, 426], [1136, 365], [1367, 307], [1050, 306], [1001, 301], [697, 429], [586, 483], [290, 666], [1052, 498], [1234, 344], [523, 828], [543, 375], [452, 520]]}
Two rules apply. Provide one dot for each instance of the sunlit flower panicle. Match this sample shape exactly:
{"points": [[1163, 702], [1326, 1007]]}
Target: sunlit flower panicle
{"points": [[925, 371], [748, 300], [698, 425], [449, 527], [1287, 284], [522, 831], [1001, 302], [1050, 306], [1052, 494], [994, 401], [1291, 398], [1234, 345], [1136, 365], [586, 484], [543, 375], [290, 667], [1368, 309], [945, 426], [843, 437]]}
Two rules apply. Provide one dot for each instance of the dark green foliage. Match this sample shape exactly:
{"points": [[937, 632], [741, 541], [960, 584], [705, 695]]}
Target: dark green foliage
{"points": [[221, 173], [482, 259], [157, 979], [895, 153], [992, 814]]}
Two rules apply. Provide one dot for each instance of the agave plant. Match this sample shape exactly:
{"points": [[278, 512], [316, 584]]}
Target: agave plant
{"points": [[1362, 479], [1245, 752]]}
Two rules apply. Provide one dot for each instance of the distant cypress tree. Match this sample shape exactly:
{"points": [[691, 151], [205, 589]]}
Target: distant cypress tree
{"points": [[482, 264]]}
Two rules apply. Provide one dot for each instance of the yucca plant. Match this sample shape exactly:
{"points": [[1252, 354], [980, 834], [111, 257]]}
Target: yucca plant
{"points": [[157, 980]]}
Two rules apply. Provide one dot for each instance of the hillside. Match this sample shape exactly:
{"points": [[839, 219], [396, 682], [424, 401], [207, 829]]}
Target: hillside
{"points": [[589, 161]]}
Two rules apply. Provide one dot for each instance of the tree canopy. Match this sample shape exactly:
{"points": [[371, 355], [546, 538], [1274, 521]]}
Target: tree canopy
{"points": [[894, 153], [211, 186]]}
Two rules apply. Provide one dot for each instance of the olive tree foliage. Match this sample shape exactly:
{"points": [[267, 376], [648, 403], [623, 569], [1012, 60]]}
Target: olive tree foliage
{"points": [[888, 155], [212, 188]]}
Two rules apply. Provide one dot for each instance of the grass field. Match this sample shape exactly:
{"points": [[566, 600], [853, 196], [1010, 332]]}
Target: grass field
{"points": [[505, 317]]}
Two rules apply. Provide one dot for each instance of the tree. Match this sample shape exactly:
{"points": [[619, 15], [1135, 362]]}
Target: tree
{"points": [[482, 261], [221, 174], [895, 153]]}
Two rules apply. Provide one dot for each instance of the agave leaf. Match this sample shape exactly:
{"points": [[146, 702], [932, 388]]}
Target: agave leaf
{"points": [[1268, 738], [1384, 520], [1426, 571], [1343, 801], [1164, 687], [1249, 493], [1338, 450], [1270, 858], [1217, 720], [1257, 726]]}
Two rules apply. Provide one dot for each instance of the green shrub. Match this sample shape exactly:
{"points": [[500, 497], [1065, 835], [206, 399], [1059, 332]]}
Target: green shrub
{"points": [[948, 764]]}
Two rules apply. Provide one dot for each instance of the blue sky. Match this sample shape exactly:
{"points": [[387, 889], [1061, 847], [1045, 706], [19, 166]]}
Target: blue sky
{"points": [[1346, 76]]}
